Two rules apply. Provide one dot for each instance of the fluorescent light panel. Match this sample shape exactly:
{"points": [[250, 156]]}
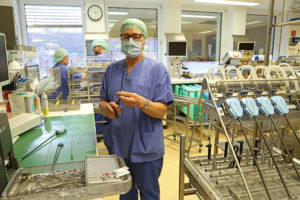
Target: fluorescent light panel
{"points": [[118, 13], [113, 20], [237, 3], [199, 16], [183, 22], [254, 22], [204, 32]]}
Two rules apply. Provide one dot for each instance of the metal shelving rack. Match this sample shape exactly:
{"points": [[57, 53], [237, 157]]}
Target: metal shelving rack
{"points": [[210, 176], [271, 25], [87, 89]]}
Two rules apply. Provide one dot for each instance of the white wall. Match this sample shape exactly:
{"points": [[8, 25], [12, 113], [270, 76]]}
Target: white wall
{"points": [[6, 3]]}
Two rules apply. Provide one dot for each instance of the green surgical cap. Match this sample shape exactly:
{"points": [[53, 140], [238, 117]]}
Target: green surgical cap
{"points": [[101, 43], [59, 55], [136, 24]]}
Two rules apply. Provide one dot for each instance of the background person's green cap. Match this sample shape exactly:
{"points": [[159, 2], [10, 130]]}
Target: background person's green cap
{"points": [[136, 24], [101, 43], [59, 55]]}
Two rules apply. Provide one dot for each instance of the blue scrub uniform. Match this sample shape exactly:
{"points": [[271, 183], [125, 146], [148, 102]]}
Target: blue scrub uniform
{"points": [[138, 138], [104, 57], [64, 87]]}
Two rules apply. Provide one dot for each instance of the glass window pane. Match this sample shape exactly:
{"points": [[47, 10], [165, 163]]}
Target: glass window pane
{"points": [[202, 31], [116, 17], [256, 27], [53, 27]]}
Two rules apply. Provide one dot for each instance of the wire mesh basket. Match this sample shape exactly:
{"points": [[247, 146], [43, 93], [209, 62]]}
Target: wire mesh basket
{"points": [[87, 89], [50, 82]]}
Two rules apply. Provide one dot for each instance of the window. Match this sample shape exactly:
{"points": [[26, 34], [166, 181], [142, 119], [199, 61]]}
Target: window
{"points": [[53, 27], [202, 31], [256, 27], [116, 17]]}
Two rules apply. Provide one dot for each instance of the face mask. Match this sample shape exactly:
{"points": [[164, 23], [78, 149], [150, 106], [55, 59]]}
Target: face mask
{"points": [[131, 48]]}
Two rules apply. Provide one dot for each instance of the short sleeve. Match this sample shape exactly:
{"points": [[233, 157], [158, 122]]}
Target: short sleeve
{"points": [[163, 88], [103, 92]]}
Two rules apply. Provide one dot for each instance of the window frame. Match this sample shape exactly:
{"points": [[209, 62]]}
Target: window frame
{"points": [[218, 33], [157, 24], [273, 34], [21, 8], [160, 28]]}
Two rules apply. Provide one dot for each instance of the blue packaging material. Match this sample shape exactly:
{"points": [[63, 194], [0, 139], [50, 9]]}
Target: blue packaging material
{"points": [[265, 106]]}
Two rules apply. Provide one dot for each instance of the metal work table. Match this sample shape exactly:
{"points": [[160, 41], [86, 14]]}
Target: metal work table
{"points": [[80, 125]]}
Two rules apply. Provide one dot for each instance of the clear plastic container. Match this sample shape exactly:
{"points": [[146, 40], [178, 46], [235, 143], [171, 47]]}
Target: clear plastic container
{"points": [[17, 102]]}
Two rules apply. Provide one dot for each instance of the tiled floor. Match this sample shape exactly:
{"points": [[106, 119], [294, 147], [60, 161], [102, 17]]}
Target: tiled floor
{"points": [[169, 179]]}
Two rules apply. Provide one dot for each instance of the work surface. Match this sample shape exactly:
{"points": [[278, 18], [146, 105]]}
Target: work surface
{"points": [[81, 127]]}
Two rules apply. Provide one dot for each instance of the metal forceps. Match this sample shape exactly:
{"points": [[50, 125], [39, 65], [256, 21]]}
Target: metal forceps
{"points": [[119, 101]]}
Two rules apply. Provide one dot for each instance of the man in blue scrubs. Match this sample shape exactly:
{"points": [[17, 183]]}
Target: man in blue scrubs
{"points": [[100, 48], [61, 60], [135, 95]]}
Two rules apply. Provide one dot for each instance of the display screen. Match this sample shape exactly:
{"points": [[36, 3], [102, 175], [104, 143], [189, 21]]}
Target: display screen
{"points": [[89, 48], [177, 49], [246, 46], [3, 60]]}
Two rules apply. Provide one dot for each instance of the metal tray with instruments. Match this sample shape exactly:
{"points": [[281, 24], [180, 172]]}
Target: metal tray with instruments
{"points": [[67, 181]]}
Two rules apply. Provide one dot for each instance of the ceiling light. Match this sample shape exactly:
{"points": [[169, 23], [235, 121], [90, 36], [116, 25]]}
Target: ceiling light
{"points": [[199, 16], [183, 22], [204, 32], [118, 13], [113, 20], [237, 3], [254, 22], [37, 40]]}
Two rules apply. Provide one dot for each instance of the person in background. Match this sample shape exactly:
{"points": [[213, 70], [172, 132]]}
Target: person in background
{"points": [[100, 49], [135, 95], [61, 60]]}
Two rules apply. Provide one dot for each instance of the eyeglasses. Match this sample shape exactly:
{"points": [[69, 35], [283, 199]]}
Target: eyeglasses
{"points": [[134, 36]]}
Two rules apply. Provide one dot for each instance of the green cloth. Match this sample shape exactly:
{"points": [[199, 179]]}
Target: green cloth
{"points": [[59, 55], [136, 24], [81, 127], [101, 43]]}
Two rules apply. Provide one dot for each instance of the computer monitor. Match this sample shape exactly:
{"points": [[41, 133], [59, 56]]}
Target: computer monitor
{"points": [[4, 76], [89, 48], [177, 48], [246, 46]]}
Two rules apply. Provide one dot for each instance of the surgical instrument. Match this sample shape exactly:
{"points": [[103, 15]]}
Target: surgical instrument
{"points": [[267, 109], [119, 101], [282, 108], [252, 111], [72, 148], [33, 150], [58, 149], [236, 111]]}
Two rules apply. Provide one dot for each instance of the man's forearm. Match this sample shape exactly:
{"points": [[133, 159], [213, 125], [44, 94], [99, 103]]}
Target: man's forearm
{"points": [[102, 107], [155, 109]]}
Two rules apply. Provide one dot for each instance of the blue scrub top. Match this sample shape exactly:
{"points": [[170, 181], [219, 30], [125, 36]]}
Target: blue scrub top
{"points": [[137, 136], [64, 87], [104, 57]]}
